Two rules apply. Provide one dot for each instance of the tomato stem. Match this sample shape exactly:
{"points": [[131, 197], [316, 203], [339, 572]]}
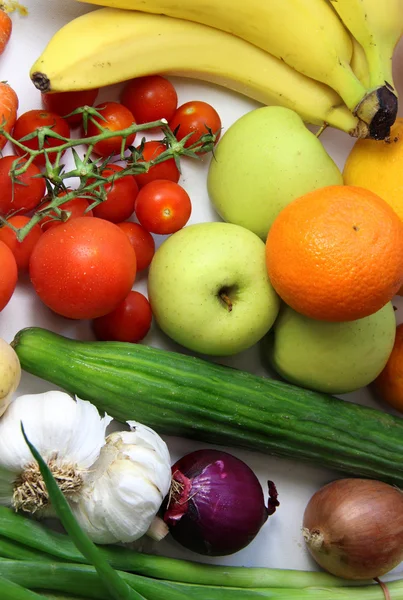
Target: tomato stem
{"points": [[85, 168]]}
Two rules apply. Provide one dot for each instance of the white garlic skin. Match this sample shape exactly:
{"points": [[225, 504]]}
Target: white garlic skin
{"points": [[126, 487], [10, 374]]}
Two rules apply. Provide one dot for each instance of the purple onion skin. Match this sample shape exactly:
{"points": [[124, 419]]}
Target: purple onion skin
{"points": [[224, 507]]}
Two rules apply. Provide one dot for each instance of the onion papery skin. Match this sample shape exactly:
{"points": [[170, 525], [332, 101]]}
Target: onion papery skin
{"points": [[221, 507], [354, 528]]}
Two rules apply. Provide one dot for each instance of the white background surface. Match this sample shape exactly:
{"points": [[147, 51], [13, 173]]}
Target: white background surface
{"points": [[279, 543]]}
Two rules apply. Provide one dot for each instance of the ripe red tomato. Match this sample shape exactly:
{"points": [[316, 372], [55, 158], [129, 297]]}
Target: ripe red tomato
{"points": [[76, 207], [117, 117], [84, 268], [33, 120], [26, 192], [121, 195], [129, 322], [22, 250], [150, 98], [164, 170], [8, 274], [163, 207], [195, 117], [64, 103], [142, 242]]}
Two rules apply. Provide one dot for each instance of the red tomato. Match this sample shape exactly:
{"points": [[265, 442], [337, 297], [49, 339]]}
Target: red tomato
{"points": [[164, 170], [8, 274], [121, 195], [142, 242], [22, 250], [76, 207], [64, 103], [150, 98], [84, 268], [33, 120], [26, 192], [117, 117], [195, 117], [129, 322], [163, 207]]}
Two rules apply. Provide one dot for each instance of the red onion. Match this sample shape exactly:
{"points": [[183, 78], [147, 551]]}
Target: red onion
{"points": [[354, 528], [216, 505]]}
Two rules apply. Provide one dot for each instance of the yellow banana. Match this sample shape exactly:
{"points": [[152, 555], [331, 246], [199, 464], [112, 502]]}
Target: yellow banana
{"points": [[306, 34], [107, 46], [377, 25], [359, 63]]}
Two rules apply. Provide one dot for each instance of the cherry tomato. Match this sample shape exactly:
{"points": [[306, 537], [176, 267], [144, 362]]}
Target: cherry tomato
{"points": [[142, 242], [196, 117], [163, 207], [117, 117], [164, 170], [22, 250], [121, 195], [64, 103], [150, 98], [76, 207], [129, 322], [84, 268], [33, 120], [27, 190], [8, 274]]}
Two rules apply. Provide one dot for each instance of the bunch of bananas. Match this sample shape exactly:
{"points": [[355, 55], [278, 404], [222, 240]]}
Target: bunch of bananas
{"points": [[329, 60]]}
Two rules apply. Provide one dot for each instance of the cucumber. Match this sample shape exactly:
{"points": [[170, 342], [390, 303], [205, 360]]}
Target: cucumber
{"points": [[190, 397]]}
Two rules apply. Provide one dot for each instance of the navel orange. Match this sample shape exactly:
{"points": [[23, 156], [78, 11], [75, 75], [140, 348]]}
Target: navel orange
{"points": [[336, 254]]}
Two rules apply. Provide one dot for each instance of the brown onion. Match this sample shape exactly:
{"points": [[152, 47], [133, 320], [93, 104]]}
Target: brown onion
{"points": [[354, 528]]}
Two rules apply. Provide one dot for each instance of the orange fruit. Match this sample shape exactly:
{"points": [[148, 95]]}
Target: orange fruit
{"points": [[389, 384], [336, 254]]}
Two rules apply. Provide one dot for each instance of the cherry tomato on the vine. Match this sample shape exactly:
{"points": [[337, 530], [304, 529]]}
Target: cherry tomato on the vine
{"points": [[115, 118], [163, 170], [195, 117], [64, 103], [150, 98], [33, 120], [142, 242], [163, 207], [84, 268], [25, 192], [120, 196], [130, 321], [77, 207], [22, 250], [8, 274]]}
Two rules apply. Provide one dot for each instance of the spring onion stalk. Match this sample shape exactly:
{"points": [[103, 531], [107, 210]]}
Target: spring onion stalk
{"points": [[12, 591], [11, 549], [59, 546], [116, 586], [83, 579]]}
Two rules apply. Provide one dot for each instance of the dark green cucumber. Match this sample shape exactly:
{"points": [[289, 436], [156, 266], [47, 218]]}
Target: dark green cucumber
{"points": [[190, 397]]}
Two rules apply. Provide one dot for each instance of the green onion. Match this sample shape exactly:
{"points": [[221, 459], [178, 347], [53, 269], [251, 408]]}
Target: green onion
{"points": [[11, 549], [117, 588], [58, 545], [83, 579], [12, 591]]}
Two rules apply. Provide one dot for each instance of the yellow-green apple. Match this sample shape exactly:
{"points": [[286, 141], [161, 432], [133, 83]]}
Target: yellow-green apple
{"points": [[265, 160], [209, 289], [330, 357]]}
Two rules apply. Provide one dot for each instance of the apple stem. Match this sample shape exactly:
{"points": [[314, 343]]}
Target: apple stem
{"points": [[227, 300]]}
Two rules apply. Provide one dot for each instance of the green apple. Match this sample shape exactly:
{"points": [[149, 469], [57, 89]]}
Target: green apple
{"points": [[209, 289], [265, 160], [330, 357]]}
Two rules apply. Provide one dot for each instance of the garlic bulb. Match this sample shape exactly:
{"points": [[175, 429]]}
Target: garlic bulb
{"points": [[126, 486], [68, 434]]}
